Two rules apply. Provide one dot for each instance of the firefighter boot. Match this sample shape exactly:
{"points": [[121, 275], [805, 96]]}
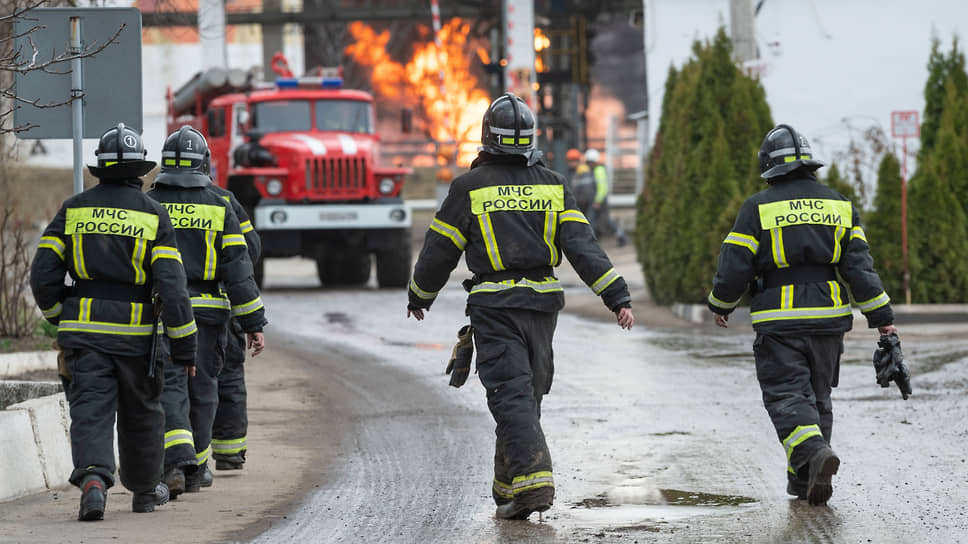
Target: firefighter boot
{"points": [[92, 500], [823, 465], [230, 462], [796, 487], [523, 504], [146, 501], [202, 477], [175, 480]]}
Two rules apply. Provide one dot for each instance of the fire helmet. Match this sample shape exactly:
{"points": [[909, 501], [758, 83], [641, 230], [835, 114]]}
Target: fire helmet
{"points": [[185, 159], [592, 155], [573, 155], [509, 127], [784, 150], [120, 154]]}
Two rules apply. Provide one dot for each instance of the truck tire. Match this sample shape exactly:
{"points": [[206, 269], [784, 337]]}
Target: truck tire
{"points": [[343, 267], [393, 266]]}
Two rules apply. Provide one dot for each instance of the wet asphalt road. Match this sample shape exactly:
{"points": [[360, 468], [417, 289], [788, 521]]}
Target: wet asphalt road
{"points": [[657, 435]]}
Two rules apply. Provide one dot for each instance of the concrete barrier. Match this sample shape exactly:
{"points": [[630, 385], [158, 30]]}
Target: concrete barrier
{"points": [[21, 472], [14, 391], [50, 423], [15, 364]]}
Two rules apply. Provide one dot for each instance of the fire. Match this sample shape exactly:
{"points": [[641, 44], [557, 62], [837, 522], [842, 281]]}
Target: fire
{"points": [[541, 42], [453, 109]]}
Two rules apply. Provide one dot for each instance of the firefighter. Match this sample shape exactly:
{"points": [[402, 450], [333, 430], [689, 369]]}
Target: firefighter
{"points": [[515, 218], [118, 247], [216, 262], [598, 211], [799, 246], [231, 420]]}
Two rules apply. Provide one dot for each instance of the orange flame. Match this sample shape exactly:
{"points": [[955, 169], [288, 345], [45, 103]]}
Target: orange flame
{"points": [[541, 42], [453, 110]]}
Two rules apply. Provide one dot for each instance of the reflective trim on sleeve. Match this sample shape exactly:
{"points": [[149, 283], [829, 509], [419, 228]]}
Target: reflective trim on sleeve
{"points": [[79, 267], [211, 257], [177, 437], [874, 303], [838, 236], [490, 241], [426, 295], [54, 244], [449, 231], [607, 279], [520, 484], [138, 259], [743, 240], [800, 313], [572, 215], [248, 307], [209, 301], [101, 327], [203, 456], [246, 227], [776, 242], [233, 240], [858, 232], [550, 285], [502, 489], [53, 311], [722, 303], [165, 252], [550, 232], [797, 437], [228, 447], [181, 332]]}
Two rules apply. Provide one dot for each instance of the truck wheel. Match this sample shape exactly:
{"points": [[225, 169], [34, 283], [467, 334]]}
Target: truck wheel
{"points": [[260, 272], [393, 266], [343, 268]]}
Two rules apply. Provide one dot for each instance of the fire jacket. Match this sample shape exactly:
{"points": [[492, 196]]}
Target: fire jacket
{"points": [[253, 243], [215, 256], [800, 247], [515, 223], [118, 246]]}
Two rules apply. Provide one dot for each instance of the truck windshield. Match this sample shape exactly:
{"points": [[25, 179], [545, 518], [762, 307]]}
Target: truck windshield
{"points": [[282, 116], [344, 116]]}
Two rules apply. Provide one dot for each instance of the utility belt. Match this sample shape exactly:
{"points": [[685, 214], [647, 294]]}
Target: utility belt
{"points": [[112, 290], [210, 287], [804, 273], [537, 274]]}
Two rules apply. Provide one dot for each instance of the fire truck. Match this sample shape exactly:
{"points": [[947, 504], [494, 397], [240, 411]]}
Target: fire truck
{"points": [[303, 157]]}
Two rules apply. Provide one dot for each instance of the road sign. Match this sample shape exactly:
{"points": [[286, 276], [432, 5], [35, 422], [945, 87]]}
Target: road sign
{"points": [[111, 79], [904, 124]]}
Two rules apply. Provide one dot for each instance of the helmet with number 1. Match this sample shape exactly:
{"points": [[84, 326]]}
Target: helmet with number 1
{"points": [[121, 154], [508, 127], [185, 159], [784, 150]]}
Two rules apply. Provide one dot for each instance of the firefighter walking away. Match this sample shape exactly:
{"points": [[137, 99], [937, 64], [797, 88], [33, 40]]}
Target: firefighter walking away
{"points": [[515, 219]]}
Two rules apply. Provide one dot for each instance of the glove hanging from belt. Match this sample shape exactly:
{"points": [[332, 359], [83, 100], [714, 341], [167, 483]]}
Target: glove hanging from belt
{"points": [[889, 364], [62, 369], [459, 366]]}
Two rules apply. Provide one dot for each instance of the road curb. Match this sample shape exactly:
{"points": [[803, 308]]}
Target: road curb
{"points": [[35, 453], [15, 364]]}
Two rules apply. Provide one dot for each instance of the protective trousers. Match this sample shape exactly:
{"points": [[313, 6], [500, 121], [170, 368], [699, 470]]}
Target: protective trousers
{"points": [[231, 419], [104, 385], [515, 364], [796, 375], [179, 443]]}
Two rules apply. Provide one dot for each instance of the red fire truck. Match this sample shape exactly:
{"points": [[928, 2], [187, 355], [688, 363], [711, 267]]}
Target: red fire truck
{"points": [[302, 156]]}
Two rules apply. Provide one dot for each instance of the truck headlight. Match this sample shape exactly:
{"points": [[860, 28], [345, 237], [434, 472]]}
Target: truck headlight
{"points": [[387, 185], [274, 187]]}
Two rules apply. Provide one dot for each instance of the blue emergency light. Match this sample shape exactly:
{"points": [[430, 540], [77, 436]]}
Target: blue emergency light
{"points": [[309, 82]]}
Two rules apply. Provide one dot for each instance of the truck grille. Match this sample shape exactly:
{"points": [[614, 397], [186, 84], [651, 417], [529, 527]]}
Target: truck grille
{"points": [[336, 177]]}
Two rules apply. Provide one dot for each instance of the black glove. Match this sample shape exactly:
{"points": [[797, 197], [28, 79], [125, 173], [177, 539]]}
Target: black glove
{"points": [[889, 364], [183, 362], [459, 366]]}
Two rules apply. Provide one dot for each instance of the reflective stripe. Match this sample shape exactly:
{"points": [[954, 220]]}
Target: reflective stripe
{"points": [[233, 240], [175, 437], [572, 215], [185, 155], [797, 437], [136, 310], [54, 244], [547, 286], [102, 327], [426, 295], [202, 456], [743, 240], [502, 489], [113, 155], [53, 311], [535, 480], [800, 313], [517, 198], [449, 231], [137, 260], [84, 309], [722, 303], [776, 241], [835, 293], [209, 301], [228, 447], [510, 131], [181, 332], [874, 303], [246, 227], [111, 221], [838, 236], [607, 279], [786, 297], [550, 231], [490, 241], [211, 258], [858, 232], [248, 307], [165, 252], [79, 267]]}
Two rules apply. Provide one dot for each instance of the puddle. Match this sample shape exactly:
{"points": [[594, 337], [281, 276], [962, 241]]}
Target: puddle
{"points": [[663, 497], [671, 433], [694, 498], [337, 317], [625, 509]]}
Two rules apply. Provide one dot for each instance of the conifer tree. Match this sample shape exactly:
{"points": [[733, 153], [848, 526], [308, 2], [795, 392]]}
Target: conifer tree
{"points": [[836, 181], [941, 70], [883, 227]]}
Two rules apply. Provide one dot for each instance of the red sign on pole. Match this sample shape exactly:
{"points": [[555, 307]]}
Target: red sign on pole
{"points": [[904, 124]]}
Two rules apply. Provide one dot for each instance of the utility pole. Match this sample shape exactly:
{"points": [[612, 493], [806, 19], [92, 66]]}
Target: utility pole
{"points": [[211, 33], [741, 30], [271, 39]]}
